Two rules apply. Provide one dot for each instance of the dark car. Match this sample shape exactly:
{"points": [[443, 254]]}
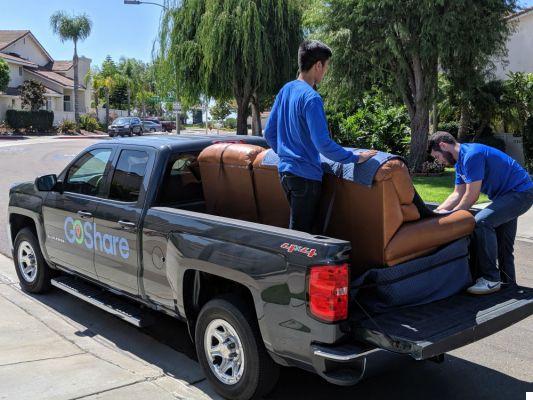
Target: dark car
{"points": [[125, 126]]}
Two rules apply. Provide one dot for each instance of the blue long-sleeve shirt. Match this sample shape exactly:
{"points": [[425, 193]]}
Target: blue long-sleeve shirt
{"points": [[297, 131]]}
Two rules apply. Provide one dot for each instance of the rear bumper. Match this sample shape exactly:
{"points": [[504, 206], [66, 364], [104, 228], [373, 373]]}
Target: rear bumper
{"points": [[343, 364]]}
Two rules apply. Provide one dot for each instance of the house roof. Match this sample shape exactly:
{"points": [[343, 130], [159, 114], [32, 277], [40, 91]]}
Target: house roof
{"points": [[60, 65], [8, 37], [17, 60], [15, 91], [520, 13], [54, 77]]}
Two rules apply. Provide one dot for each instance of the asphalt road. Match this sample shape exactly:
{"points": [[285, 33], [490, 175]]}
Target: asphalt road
{"points": [[498, 367]]}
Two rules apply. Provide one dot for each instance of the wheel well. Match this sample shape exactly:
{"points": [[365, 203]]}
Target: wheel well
{"points": [[18, 222], [200, 287]]}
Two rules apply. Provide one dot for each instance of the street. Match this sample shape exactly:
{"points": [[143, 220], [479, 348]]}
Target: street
{"points": [[55, 346]]}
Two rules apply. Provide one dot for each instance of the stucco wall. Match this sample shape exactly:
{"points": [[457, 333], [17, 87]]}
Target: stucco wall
{"points": [[28, 49], [520, 48]]}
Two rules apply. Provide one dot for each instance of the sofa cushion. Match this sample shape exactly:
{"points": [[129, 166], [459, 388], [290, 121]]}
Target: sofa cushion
{"points": [[421, 237], [226, 170], [272, 203]]}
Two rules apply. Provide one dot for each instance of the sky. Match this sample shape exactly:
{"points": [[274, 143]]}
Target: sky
{"points": [[118, 29]]}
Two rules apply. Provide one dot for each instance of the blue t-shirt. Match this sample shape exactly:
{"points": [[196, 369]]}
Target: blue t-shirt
{"points": [[298, 132], [499, 173]]}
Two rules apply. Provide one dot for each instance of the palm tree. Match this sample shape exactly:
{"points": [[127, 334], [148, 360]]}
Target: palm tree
{"points": [[75, 28]]}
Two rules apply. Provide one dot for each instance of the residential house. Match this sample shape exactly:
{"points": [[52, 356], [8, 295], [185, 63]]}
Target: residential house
{"points": [[519, 45], [28, 60]]}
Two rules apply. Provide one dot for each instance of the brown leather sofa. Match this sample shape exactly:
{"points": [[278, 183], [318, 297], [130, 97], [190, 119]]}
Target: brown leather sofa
{"points": [[227, 180], [381, 222]]}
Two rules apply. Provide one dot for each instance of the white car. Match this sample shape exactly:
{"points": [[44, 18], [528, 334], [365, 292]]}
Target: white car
{"points": [[151, 126]]}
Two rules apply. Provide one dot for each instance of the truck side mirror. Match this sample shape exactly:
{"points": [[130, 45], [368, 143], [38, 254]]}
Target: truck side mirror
{"points": [[48, 183]]}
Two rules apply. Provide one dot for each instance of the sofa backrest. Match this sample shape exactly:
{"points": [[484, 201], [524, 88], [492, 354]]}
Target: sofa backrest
{"points": [[226, 170]]}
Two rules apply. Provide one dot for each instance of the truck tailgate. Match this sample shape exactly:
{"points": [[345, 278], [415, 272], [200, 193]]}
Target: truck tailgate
{"points": [[429, 330]]}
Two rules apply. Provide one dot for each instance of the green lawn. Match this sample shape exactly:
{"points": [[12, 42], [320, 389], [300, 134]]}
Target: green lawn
{"points": [[437, 188]]}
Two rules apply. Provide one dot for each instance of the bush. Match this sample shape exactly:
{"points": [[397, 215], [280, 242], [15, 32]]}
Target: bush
{"points": [[230, 123], [492, 141], [33, 121], [528, 144], [432, 167], [375, 125], [450, 127], [67, 126], [89, 123]]}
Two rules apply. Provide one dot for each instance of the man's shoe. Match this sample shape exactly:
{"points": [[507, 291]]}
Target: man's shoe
{"points": [[484, 286]]}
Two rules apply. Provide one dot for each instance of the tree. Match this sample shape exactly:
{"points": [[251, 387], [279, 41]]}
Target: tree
{"points": [[4, 75], [220, 110], [224, 48], [399, 45], [32, 95], [75, 28]]}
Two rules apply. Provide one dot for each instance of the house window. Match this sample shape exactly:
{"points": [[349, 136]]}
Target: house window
{"points": [[67, 104], [20, 71]]}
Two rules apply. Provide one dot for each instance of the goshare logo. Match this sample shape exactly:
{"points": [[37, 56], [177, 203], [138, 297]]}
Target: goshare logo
{"points": [[86, 233]]}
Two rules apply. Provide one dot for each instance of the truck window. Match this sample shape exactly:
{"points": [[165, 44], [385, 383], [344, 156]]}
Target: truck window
{"points": [[182, 183], [128, 175], [86, 175]]}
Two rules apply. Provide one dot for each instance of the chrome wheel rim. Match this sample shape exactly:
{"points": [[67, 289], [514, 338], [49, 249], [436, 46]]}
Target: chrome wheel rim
{"points": [[224, 352], [27, 261]]}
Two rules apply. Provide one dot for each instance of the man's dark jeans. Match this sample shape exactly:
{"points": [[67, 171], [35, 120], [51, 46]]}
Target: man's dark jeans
{"points": [[303, 196], [495, 234]]}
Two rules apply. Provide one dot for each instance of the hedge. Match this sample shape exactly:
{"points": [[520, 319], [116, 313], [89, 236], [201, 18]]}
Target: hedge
{"points": [[37, 121]]}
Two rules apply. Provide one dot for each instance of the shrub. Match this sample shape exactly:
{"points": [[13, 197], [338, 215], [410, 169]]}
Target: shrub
{"points": [[33, 121], [492, 141], [67, 126], [376, 125], [89, 123], [432, 167], [230, 123], [528, 144]]}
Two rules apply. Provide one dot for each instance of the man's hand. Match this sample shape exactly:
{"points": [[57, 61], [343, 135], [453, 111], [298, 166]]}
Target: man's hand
{"points": [[366, 155]]}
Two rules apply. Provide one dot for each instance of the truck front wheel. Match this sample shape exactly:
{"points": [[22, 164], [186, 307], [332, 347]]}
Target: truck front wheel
{"points": [[231, 352], [33, 272]]}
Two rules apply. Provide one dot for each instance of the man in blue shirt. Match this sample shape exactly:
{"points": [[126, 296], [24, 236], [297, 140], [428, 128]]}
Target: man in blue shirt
{"points": [[484, 169], [298, 132]]}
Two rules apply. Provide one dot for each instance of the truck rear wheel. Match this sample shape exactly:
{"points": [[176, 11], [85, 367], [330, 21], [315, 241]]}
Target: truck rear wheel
{"points": [[231, 352], [33, 272]]}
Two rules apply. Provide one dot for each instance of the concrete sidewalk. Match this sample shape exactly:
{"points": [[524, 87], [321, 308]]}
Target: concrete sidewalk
{"points": [[48, 352]]}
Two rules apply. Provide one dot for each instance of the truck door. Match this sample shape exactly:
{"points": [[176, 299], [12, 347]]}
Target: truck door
{"points": [[68, 216], [117, 219]]}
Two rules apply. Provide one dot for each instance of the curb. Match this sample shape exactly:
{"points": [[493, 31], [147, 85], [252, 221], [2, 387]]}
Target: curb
{"points": [[17, 137], [82, 137]]}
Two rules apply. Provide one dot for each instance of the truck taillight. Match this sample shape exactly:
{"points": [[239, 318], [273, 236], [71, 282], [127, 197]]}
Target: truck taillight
{"points": [[328, 292]]}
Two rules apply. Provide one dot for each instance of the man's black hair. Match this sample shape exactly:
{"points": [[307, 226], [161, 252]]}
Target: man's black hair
{"points": [[310, 52], [440, 137]]}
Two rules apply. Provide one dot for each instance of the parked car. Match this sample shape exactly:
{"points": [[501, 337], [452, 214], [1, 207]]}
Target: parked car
{"points": [[123, 126], [166, 126], [185, 226], [151, 126]]}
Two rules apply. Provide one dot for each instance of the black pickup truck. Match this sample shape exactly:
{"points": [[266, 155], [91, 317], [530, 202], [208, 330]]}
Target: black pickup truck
{"points": [[126, 223]]}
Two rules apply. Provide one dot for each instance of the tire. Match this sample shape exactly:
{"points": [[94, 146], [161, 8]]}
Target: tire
{"points": [[259, 373], [152, 130], [27, 246], [140, 132], [111, 135], [130, 134]]}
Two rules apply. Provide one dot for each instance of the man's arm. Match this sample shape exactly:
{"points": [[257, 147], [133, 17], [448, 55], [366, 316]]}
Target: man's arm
{"points": [[453, 199], [470, 197], [318, 129], [271, 127]]}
